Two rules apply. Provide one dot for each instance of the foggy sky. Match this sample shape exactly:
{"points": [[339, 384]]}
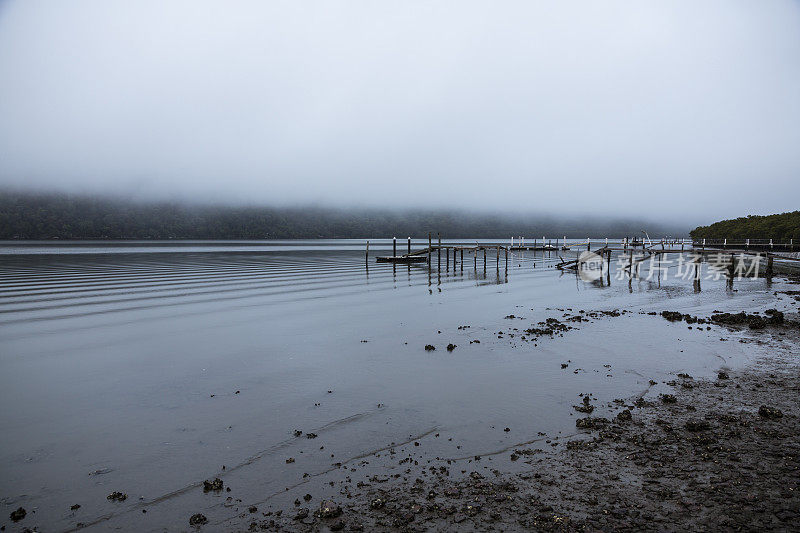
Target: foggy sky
{"points": [[662, 109]]}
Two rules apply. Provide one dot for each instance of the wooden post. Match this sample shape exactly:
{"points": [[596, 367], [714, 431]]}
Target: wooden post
{"points": [[366, 254], [769, 266], [447, 259], [430, 245], [394, 246], [588, 244], [475, 257], [462, 259], [630, 263], [497, 260], [439, 250], [512, 241], [484, 259], [409, 246], [506, 258]]}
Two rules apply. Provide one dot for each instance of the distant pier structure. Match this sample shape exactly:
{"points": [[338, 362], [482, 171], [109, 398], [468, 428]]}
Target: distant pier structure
{"points": [[637, 249]]}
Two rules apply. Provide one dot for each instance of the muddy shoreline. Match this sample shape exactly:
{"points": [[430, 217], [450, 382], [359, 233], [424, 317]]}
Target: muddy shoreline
{"points": [[717, 455]]}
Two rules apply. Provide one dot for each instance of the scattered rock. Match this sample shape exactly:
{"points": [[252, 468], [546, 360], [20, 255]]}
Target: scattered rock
{"points": [[591, 423], [215, 485], [624, 416], [429, 347], [329, 509], [117, 497], [198, 520], [18, 515], [770, 413]]}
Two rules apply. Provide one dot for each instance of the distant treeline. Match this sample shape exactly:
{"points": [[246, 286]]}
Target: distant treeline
{"points": [[779, 227], [51, 216]]}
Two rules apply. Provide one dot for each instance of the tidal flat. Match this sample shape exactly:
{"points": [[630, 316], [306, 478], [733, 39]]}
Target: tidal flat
{"points": [[287, 386]]}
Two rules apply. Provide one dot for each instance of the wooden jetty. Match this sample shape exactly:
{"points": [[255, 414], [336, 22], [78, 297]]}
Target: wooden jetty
{"points": [[638, 250]]}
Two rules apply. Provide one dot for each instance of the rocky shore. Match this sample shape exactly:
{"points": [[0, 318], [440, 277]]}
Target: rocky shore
{"points": [[717, 455]]}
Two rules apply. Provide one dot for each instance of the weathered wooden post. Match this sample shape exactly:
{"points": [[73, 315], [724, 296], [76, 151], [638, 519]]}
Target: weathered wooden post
{"points": [[630, 263], [366, 254], [447, 259], [439, 250], [497, 259], [506, 258], [409, 246], [769, 266], [430, 245], [394, 246], [484, 258], [588, 244]]}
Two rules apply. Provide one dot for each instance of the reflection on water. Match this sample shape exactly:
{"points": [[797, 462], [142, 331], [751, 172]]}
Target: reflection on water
{"points": [[150, 365]]}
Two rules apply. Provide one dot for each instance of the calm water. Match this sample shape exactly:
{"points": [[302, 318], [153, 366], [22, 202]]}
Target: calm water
{"points": [[110, 355]]}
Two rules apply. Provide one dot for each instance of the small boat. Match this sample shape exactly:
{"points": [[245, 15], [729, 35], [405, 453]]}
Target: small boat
{"points": [[401, 259]]}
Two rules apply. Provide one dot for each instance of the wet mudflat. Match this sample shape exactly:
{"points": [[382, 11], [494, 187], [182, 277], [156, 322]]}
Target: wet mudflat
{"points": [[148, 373]]}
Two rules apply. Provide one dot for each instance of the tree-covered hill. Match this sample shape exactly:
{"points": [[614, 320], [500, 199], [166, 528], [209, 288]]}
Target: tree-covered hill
{"points": [[780, 227], [49, 216]]}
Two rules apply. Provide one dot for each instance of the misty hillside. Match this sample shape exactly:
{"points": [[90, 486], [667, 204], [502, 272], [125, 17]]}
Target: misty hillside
{"points": [[784, 226], [52, 216]]}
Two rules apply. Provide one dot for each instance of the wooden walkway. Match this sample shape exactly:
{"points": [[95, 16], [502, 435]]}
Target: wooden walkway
{"points": [[637, 251]]}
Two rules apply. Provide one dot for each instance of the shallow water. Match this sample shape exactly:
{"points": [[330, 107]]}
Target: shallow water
{"points": [[110, 354]]}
